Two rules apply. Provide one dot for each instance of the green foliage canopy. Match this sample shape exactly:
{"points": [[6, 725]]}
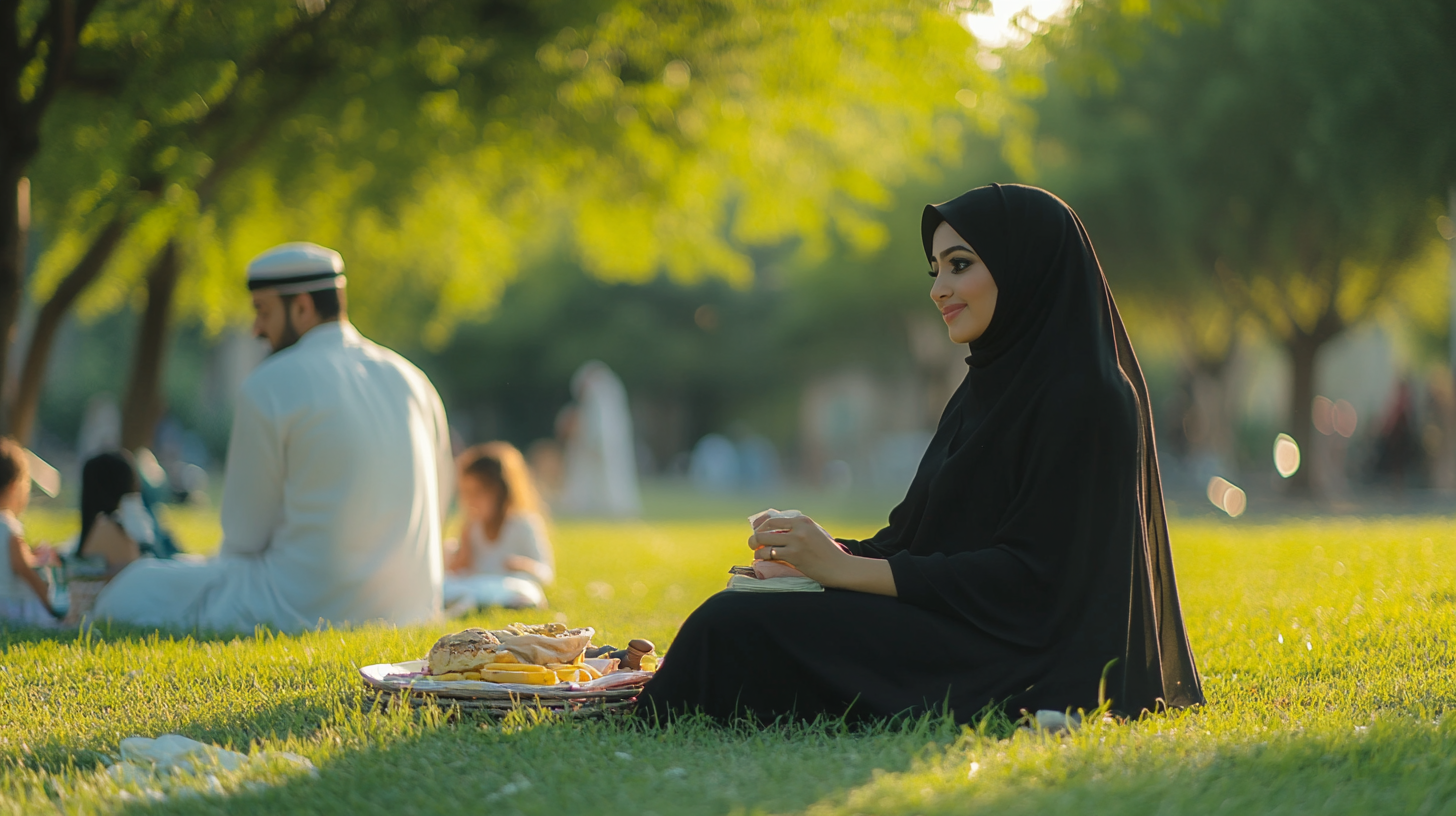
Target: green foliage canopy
{"points": [[454, 149]]}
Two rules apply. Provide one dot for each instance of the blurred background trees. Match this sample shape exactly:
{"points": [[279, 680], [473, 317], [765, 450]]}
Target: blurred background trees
{"points": [[721, 201], [1285, 163]]}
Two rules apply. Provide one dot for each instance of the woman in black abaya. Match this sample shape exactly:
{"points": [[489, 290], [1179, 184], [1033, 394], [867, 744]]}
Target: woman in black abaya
{"points": [[1031, 550]]}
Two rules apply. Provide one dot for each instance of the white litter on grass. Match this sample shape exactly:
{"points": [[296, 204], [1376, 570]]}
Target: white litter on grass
{"points": [[675, 773], [975, 766], [172, 764], [1056, 721], [516, 785], [623, 755]]}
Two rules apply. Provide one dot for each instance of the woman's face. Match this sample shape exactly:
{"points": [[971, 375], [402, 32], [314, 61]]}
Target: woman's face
{"points": [[477, 500], [964, 290]]}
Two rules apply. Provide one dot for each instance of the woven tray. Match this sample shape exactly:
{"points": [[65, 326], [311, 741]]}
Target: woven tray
{"points": [[576, 709], [391, 682]]}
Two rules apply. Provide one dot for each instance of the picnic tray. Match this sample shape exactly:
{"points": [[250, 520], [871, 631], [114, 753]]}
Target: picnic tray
{"points": [[393, 683]]}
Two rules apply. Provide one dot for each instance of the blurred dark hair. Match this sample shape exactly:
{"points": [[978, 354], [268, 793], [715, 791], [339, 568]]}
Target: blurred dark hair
{"points": [[14, 465], [327, 303], [498, 465], [105, 478]]}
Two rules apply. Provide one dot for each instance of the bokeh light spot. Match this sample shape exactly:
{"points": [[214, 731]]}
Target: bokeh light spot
{"points": [[1227, 496], [1286, 455], [1344, 418], [1321, 412]]}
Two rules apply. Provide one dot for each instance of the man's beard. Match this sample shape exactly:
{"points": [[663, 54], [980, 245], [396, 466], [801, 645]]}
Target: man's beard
{"points": [[290, 334]]}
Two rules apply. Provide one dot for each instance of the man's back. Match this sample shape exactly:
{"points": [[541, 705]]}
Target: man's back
{"points": [[337, 473]]}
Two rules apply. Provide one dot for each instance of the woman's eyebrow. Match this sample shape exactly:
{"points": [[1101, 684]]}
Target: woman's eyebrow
{"points": [[945, 253]]}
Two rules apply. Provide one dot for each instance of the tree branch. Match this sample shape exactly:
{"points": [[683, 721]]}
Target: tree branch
{"points": [[28, 51], [265, 60], [66, 22], [225, 164]]}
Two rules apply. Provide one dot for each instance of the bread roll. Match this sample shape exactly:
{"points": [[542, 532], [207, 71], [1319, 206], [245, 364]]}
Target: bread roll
{"points": [[465, 651]]}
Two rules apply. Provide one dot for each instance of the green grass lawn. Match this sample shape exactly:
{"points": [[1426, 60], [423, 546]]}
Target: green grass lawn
{"points": [[1324, 645]]}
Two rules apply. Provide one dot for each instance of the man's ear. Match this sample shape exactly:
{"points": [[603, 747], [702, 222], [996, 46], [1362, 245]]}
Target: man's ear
{"points": [[303, 307]]}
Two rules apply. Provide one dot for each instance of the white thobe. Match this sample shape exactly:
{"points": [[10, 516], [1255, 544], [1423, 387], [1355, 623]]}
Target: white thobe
{"points": [[338, 477]]}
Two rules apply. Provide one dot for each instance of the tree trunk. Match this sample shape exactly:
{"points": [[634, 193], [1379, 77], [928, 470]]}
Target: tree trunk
{"points": [[11, 263], [143, 403], [1303, 350], [1443, 464], [38, 354], [1212, 437]]}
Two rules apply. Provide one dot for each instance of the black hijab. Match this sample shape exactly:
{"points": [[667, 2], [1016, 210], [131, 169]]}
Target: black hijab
{"points": [[1036, 516], [105, 478]]}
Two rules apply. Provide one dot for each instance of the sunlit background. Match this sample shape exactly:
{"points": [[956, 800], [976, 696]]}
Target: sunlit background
{"points": [[719, 204]]}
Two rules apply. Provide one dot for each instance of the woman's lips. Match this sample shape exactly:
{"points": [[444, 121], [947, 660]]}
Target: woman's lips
{"points": [[950, 312]]}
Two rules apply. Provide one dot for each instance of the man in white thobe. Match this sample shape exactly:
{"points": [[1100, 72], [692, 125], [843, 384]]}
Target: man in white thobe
{"points": [[339, 472]]}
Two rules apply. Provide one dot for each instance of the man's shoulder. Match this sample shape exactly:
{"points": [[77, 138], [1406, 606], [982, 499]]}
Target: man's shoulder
{"points": [[383, 355], [274, 370]]}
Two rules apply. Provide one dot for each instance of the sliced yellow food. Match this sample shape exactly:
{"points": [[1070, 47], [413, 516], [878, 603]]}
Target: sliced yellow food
{"points": [[528, 678], [471, 675], [449, 676], [516, 667], [595, 675], [505, 657]]}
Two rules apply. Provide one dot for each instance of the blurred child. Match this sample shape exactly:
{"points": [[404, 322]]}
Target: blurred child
{"points": [[116, 522], [503, 556], [24, 594]]}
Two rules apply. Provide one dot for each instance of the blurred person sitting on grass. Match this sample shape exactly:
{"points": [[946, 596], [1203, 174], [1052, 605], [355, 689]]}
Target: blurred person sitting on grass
{"points": [[503, 556], [1028, 566], [338, 477], [25, 596], [116, 523]]}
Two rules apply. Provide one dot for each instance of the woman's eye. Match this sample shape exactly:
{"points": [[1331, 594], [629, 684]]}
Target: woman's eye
{"points": [[960, 264]]}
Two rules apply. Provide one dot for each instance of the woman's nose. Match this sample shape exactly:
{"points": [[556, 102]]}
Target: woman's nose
{"points": [[939, 290]]}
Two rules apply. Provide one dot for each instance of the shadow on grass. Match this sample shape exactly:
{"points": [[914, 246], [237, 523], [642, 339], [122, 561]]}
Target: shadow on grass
{"points": [[620, 766], [696, 769], [93, 632], [102, 632], [231, 728]]}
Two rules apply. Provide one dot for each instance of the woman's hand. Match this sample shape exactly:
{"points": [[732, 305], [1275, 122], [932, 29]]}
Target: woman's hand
{"points": [[797, 541], [802, 543]]}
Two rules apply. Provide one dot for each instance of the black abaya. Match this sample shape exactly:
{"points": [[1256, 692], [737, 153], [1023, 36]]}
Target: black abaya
{"points": [[1030, 554]]}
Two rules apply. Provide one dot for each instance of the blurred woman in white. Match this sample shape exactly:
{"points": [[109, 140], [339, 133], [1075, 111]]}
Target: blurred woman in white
{"points": [[601, 459], [503, 556]]}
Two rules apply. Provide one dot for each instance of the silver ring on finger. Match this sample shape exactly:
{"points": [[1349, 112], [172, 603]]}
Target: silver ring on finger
{"points": [[773, 554]]}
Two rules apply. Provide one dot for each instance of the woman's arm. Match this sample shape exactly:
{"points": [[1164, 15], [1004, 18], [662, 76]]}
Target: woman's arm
{"points": [[870, 575], [531, 548], [527, 564], [23, 564], [804, 544]]}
